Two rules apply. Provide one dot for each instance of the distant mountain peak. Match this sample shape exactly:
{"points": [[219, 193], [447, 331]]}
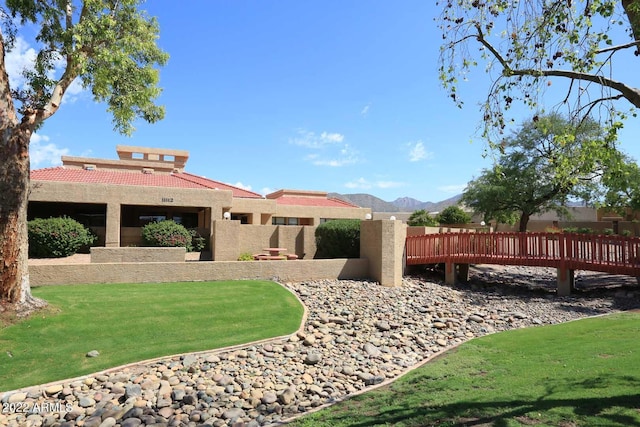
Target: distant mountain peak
{"points": [[407, 203], [401, 204]]}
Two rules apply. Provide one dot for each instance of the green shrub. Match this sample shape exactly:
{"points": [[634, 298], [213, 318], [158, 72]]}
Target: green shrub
{"points": [[166, 234], [626, 233], [245, 256], [198, 242], [57, 237], [579, 230], [422, 218], [339, 238], [453, 215], [608, 231], [570, 229]]}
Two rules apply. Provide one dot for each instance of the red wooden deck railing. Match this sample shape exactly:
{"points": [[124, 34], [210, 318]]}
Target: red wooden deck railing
{"points": [[610, 254]]}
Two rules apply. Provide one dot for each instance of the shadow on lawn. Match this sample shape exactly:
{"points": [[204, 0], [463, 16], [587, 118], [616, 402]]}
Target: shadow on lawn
{"points": [[449, 415]]}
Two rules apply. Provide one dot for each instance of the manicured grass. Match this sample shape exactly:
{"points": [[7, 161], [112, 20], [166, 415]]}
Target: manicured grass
{"points": [[132, 322], [583, 373]]}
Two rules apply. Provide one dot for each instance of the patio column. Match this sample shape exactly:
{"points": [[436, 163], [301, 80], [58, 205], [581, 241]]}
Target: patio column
{"points": [[112, 226], [382, 243]]}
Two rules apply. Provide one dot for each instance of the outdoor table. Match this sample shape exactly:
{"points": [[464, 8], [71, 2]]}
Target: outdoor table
{"points": [[274, 251]]}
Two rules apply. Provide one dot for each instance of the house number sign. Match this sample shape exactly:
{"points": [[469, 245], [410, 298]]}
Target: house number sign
{"points": [[167, 200]]}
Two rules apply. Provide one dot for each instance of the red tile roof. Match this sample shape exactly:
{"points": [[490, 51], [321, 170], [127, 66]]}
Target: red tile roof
{"points": [[174, 180], [314, 201]]}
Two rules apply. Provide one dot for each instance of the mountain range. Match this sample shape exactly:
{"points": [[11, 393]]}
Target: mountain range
{"points": [[402, 204]]}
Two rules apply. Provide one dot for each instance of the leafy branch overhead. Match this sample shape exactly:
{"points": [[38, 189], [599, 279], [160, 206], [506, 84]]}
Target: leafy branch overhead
{"points": [[525, 45], [110, 46]]}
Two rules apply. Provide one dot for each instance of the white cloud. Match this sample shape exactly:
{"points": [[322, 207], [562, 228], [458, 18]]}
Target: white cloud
{"points": [[359, 183], [312, 140], [22, 56], [266, 190], [417, 151], [346, 156], [243, 186], [329, 148], [365, 109], [44, 154], [453, 189]]}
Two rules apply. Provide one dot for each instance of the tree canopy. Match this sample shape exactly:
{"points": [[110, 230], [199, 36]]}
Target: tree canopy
{"points": [[111, 48], [422, 218], [453, 215], [109, 45], [527, 45], [547, 160], [621, 184]]}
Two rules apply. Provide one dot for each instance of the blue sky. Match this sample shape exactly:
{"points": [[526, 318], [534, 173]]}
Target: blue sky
{"points": [[336, 96]]}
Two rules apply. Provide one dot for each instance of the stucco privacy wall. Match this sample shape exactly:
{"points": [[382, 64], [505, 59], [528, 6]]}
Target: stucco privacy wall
{"points": [[110, 255], [230, 239], [154, 272]]}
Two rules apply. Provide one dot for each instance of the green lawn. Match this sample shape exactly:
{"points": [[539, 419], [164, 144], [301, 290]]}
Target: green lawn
{"points": [[583, 373], [132, 322]]}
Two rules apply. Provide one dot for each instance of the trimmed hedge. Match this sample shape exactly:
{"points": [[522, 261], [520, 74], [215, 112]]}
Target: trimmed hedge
{"points": [[339, 238], [57, 237], [167, 234]]}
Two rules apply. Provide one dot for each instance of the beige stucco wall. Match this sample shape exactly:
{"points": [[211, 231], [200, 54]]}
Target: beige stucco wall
{"points": [[542, 226], [49, 191], [316, 213], [382, 242], [259, 210], [283, 271], [231, 239], [114, 196], [107, 255]]}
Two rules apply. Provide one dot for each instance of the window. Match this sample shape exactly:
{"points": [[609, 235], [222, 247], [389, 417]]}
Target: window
{"points": [[188, 219], [280, 220], [146, 219], [243, 218]]}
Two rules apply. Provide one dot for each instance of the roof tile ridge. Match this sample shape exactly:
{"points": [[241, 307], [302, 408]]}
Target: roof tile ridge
{"points": [[49, 168], [344, 202], [180, 175], [217, 182]]}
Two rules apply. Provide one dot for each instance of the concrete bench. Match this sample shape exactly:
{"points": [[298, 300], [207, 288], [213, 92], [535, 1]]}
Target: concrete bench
{"points": [[270, 257]]}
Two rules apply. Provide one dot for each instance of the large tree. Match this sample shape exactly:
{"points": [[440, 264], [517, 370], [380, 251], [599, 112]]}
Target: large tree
{"points": [[547, 160], [621, 184], [572, 50], [110, 46]]}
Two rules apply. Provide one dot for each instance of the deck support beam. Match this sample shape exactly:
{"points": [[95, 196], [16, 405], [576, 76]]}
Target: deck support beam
{"points": [[455, 273], [566, 280]]}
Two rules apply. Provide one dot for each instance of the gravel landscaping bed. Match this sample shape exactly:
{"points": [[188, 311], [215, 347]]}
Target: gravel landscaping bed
{"points": [[357, 335]]}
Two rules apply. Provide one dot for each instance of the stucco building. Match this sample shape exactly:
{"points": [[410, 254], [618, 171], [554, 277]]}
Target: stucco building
{"points": [[118, 197]]}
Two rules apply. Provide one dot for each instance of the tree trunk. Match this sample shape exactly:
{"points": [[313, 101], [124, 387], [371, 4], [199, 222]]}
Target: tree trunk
{"points": [[14, 193], [524, 221], [632, 9]]}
